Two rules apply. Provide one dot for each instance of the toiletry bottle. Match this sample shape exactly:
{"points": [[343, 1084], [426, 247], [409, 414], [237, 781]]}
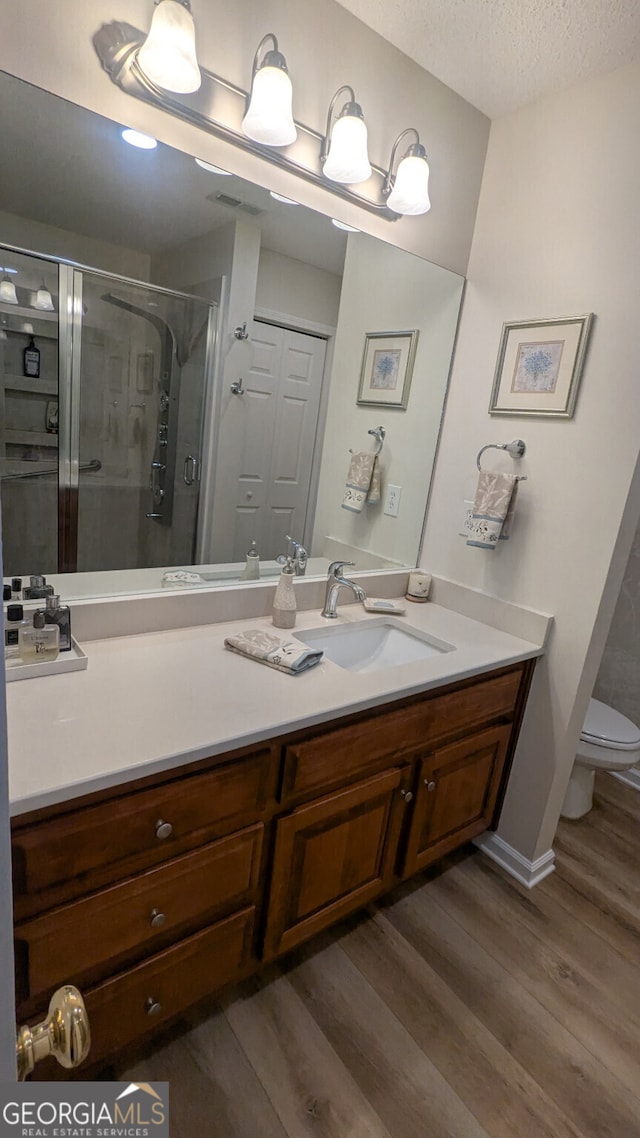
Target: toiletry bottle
{"points": [[14, 619], [16, 588], [60, 615], [31, 357], [38, 642], [6, 592], [252, 568], [284, 602], [37, 589]]}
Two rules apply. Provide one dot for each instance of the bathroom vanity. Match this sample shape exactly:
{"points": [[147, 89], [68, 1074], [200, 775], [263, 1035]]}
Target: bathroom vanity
{"points": [[156, 890]]}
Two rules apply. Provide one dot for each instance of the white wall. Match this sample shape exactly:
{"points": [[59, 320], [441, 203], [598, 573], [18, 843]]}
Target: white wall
{"points": [[48, 239], [50, 45], [558, 233], [385, 289], [286, 285]]}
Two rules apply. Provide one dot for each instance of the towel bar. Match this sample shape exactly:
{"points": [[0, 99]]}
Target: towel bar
{"points": [[516, 448]]}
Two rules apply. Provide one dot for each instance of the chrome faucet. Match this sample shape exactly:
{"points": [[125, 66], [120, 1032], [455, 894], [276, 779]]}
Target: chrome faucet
{"points": [[298, 555], [335, 582]]}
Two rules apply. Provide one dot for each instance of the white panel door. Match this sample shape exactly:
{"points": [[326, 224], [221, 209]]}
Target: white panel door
{"points": [[266, 445]]}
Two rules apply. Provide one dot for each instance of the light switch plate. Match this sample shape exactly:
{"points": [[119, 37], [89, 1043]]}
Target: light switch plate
{"points": [[392, 501]]}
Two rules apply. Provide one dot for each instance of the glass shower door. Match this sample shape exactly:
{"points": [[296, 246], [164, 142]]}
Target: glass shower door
{"points": [[139, 371]]}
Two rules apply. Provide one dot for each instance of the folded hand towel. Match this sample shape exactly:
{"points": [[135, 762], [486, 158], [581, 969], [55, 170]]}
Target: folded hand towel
{"points": [[286, 655], [493, 508], [363, 481]]}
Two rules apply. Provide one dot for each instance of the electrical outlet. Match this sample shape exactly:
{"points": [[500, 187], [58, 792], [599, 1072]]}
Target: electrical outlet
{"points": [[392, 501]]}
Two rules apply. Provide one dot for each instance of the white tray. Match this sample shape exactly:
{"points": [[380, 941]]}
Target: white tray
{"points": [[73, 661]]}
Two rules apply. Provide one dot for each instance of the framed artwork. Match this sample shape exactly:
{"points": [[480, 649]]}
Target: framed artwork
{"points": [[539, 366], [387, 367]]}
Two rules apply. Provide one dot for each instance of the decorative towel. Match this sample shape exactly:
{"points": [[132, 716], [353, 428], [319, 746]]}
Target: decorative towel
{"points": [[286, 655], [493, 508], [363, 482]]}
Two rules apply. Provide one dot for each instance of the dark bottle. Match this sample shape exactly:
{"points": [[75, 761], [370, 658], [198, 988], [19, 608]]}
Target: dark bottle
{"points": [[31, 360], [55, 613], [6, 592], [16, 586], [37, 589]]}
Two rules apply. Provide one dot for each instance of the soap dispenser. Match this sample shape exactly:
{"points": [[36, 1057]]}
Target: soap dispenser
{"points": [[252, 567], [284, 602]]}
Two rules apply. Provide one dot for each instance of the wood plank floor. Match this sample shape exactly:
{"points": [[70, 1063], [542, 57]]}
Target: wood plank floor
{"points": [[462, 1007]]}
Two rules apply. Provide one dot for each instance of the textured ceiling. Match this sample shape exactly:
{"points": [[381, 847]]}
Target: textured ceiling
{"points": [[502, 54]]}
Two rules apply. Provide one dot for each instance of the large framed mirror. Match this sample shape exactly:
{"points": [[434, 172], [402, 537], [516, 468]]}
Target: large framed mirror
{"points": [[181, 358]]}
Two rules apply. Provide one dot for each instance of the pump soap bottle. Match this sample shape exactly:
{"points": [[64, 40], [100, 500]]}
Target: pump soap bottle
{"points": [[252, 567], [284, 602]]}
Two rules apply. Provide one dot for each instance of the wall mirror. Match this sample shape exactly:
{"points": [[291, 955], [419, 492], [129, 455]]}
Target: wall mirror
{"points": [[180, 361]]}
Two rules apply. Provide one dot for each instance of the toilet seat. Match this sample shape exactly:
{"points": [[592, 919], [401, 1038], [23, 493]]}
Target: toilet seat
{"points": [[605, 727]]}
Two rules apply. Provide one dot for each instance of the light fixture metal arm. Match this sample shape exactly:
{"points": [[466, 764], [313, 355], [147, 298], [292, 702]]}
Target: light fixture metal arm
{"points": [[256, 59], [324, 150]]}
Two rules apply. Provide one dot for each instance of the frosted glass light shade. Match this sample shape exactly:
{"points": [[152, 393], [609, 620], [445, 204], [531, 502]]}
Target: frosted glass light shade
{"points": [[8, 292], [44, 300], [410, 193], [168, 55], [269, 118], [347, 161]]}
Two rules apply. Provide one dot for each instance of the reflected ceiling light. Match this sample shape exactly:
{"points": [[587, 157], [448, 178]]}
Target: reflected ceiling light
{"points": [[343, 225], [27, 327], [44, 299], [7, 270], [407, 191], [281, 198], [168, 55], [210, 168], [269, 117], [142, 141], [3, 334], [344, 148], [8, 292]]}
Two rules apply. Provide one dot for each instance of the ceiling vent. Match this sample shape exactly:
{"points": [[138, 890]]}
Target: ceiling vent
{"points": [[235, 203]]}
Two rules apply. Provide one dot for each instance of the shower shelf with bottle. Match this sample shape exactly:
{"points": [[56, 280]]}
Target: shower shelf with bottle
{"points": [[27, 402]]}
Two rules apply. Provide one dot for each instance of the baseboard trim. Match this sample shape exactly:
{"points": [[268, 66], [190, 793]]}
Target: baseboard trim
{"points": [[528, 873], [630, 777]]}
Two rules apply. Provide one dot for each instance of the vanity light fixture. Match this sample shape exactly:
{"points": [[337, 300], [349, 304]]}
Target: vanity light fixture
{"points": [[281, 198], [211, 169], [407, 191], [44, 299], [269, 117], [260, 121], [136, 138], [8, 292], [344, 154], [168, 55]]}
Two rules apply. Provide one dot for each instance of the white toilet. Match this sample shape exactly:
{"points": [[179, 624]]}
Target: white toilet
{"points": [[609, 742]]}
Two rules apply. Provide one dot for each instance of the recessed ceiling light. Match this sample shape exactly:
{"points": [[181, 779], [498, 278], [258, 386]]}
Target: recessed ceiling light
{"points": [[281, 198], [211, 169], [343, 225], [142, 141]]}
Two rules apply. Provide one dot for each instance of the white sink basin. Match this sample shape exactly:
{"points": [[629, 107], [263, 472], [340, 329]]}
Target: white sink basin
{"points": [[373, 645]]}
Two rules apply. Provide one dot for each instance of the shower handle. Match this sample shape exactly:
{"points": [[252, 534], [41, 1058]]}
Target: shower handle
{"points": [[191, 470]]}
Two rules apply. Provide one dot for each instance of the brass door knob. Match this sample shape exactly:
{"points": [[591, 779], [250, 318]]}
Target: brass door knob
{"points": [[65, 1033], [163, 829]]}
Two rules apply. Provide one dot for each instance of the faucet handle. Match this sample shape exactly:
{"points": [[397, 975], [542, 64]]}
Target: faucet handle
{"points": [[336, 567]]}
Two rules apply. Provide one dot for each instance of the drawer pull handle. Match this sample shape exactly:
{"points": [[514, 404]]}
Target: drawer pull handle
{"points": [[163, 830], [157, 919], [429, 785], [407, 795], [153, 1007]]}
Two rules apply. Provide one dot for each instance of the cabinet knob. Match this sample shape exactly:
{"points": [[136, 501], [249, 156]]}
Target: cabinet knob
{"points": [[153, 1007], [429, 785], [407, 795], [157, 919], [163, 829]]}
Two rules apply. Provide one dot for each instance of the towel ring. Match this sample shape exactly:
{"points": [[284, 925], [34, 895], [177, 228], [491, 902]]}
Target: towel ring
{"points": [[379, 434], [516, 448]]}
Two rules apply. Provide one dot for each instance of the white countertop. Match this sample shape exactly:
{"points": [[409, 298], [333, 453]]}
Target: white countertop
{"points": [[154, 701]]}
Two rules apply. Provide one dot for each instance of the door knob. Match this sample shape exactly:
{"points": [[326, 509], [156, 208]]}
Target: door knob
{"points": [[163, 829], [64, 1033], [157, 919], [407, 795], [153, 1007], [429, 785]]}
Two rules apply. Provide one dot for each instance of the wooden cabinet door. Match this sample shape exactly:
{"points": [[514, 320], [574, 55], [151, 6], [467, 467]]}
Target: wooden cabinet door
{"points": [[331, 857], [456, 796]]}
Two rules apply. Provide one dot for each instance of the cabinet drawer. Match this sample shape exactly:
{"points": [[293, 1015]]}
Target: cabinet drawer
{"points": [[125, 1008], [75, 940], [337, 757], [99, 838]]}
